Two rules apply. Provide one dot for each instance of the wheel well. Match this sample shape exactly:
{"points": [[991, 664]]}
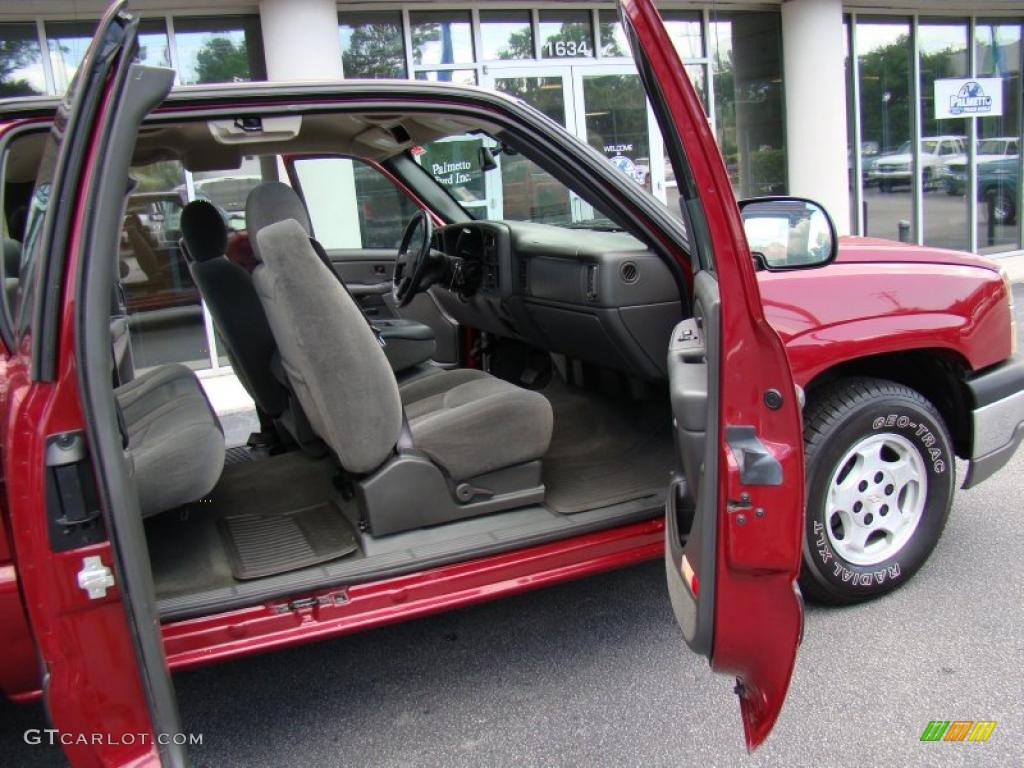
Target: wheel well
{"points": [[936, 374]]}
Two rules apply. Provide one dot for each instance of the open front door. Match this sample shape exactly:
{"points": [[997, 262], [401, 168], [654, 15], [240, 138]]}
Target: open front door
{"points": [[735, 509]]}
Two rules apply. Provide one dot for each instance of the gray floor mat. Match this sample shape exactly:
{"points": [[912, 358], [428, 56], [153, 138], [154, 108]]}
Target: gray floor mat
{"points": [[185, 546], [605, 451], [238, 455], [266, 544]]}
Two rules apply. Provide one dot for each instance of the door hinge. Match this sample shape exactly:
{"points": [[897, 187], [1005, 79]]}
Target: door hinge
{"points": [[95, 578]]}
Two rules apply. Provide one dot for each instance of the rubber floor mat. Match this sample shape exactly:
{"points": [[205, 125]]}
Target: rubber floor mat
{"points": [[237, 455], [266, 544]]}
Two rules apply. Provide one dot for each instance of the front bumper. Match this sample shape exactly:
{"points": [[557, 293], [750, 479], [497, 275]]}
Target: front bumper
{"points": [[997, 421]]}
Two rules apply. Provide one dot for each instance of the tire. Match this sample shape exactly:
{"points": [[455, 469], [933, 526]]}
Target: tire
{"points": [[1004, 206], [895, 442]]}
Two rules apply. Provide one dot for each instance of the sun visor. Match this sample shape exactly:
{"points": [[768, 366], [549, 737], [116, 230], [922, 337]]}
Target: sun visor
{"points": [[254, 130]]}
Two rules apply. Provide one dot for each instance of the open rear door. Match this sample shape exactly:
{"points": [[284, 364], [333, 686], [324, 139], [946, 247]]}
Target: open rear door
{"points": [[733, 518], [103, 674]]}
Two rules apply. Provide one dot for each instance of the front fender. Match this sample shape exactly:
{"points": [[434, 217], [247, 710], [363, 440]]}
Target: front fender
{"points": [[813, 352]]}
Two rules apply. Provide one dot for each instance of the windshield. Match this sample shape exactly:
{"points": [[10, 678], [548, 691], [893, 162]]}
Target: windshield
{"points": [[991, 147], [490, 180]]}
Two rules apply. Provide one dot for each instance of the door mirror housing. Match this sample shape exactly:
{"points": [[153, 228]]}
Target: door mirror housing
{"points": [[788, 233]]}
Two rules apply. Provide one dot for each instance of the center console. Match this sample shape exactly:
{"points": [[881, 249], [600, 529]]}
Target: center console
{"points": [[406, 342]]}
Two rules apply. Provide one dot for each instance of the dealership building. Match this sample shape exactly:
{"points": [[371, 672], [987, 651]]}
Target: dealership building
{"points": [[903, 118]]}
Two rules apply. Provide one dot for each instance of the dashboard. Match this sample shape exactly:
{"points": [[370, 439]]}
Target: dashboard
{"points": [[597, 296]]}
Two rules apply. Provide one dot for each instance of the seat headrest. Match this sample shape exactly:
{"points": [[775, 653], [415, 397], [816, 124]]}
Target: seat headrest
{"points": [[203, 230], [12, 257], [270, 203]]}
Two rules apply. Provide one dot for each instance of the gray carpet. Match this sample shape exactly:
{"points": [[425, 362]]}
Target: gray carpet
{"points": [[605, 450], [186, 549]]}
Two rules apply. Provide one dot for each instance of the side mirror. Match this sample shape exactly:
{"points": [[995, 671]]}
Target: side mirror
{"points": [[788, 233]]}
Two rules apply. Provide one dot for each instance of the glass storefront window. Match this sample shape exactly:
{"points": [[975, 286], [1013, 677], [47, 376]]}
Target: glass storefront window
{"points": [[545, 93], [613, 36], [352, 204], [565, 35], [698, 74], [164, 312], [456, 76], [506, 35], [455, 164], [441, 37], [944, 54], [153, 48], [21, 61], [884, 56], [68, 41], [371, 44], [997, 47], [219, 49], [746, 59], [684, 27], [616, 123]]}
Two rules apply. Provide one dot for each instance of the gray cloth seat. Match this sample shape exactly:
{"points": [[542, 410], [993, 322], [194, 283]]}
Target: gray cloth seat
{"points": [[468, 422], [175, 442], [236, 309], [407, 342]]}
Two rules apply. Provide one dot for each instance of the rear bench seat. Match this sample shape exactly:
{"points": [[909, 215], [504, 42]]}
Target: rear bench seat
{"points": [[175, 442]]}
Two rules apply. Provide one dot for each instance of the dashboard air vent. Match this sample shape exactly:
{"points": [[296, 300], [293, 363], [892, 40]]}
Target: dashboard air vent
{"points": [[629, 272]]}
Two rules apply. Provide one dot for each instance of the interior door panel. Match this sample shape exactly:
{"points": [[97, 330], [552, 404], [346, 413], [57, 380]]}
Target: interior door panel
{"points": [[692, 516]]}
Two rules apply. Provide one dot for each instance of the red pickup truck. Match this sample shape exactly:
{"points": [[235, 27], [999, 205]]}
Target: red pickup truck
{"points": [[628, 382]]}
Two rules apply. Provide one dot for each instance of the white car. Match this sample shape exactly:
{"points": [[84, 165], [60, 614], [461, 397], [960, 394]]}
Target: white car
{"points": [[893, 169]]}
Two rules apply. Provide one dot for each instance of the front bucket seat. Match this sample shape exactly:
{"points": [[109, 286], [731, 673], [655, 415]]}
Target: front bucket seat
{"points": [[468, 423]]}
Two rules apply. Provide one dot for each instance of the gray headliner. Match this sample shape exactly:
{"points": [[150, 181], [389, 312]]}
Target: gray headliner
{"points": [[192, 143]]}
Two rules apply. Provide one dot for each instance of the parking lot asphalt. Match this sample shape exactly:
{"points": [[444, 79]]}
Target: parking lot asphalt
{"points": [[595, 673]]}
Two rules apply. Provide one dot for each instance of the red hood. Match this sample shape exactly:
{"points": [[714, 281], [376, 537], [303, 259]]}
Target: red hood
{"points": [[874, 249]]}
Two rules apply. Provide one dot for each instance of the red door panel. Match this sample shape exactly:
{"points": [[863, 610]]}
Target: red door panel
{"points": [[733, 548]]}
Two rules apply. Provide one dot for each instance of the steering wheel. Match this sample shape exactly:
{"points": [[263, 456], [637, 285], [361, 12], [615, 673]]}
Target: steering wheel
{"points": [[412, 259]]}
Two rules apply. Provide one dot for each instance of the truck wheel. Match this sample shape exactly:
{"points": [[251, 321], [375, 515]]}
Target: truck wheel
{"points": [[880, 475], [1004, 208]]}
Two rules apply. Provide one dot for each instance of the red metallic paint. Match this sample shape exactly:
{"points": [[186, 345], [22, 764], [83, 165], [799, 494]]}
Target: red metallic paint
{"points": [[850, 310], [86, 645], [758, 610], [841, 316], [19, 666], [194, 642]]}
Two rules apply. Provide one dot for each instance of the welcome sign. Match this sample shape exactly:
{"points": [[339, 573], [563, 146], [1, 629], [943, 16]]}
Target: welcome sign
{"points": [[970, 97]]}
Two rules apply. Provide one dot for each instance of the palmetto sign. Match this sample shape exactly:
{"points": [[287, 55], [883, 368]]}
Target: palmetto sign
{"points": [[975, 97]]}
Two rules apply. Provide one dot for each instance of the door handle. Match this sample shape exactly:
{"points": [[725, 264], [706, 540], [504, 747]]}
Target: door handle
{"points": [[758, 466]]}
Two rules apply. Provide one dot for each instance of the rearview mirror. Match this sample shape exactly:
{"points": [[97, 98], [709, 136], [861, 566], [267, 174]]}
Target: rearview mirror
{"points": [[788, 233], [487, 161]]}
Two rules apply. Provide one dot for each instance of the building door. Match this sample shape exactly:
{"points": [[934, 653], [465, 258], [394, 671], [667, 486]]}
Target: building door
{"points": [[605, 105]]}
